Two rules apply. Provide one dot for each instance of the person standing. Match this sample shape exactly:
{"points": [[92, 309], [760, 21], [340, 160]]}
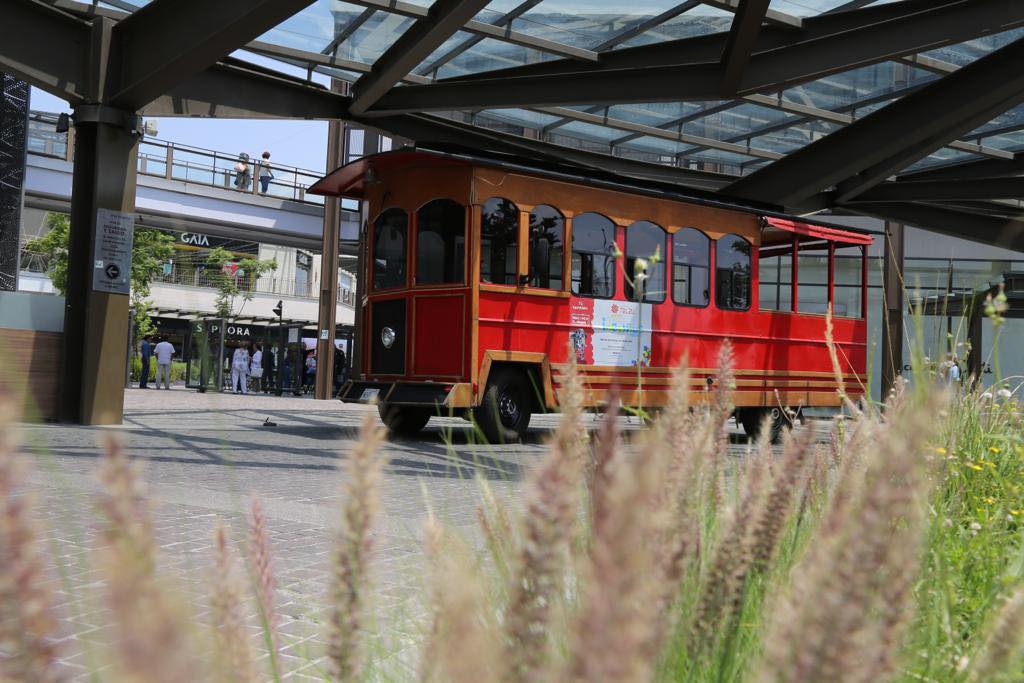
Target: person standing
{"points": [[239, 370], [266, 173], [242, 172], [147, 353], [310, 371], [256, 368], [164, 352]]}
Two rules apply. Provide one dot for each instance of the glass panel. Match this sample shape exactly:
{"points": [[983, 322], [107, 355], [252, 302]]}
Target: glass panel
{"points": [[373, 37], [390, 232], [732, 273], [646, 240], [440, 243], [490, 54], [698, 21], [499, 242], [690, 267], [775, 273], [547, 234], [593, 256], [848, 269], [812, 276]]}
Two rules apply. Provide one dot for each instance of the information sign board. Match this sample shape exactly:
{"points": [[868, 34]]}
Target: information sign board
{"points": [[112, 259]]}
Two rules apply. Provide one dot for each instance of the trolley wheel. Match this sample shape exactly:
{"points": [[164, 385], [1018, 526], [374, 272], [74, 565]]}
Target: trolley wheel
{"points": [[504, 413], [752, 420], [403, 420]]}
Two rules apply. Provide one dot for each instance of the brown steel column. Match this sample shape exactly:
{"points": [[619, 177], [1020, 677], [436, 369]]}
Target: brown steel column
{"points": [[96, 322], [974, 336], [329, 264], [892, 307]]}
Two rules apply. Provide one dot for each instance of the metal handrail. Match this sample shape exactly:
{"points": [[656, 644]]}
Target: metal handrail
{"points": [[198, 165]]}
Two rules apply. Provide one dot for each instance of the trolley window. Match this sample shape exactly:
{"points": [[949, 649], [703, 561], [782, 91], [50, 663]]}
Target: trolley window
{"points": [[440, 243], [812, 276], [732, 273], [646, 241], [547, 235], [848, 269], [499, 241], [390, 232], [691, 251], [775, 272], [593, 256]]}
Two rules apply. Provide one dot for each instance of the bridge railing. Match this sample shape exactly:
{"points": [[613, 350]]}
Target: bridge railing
{"points": [[176, 161]]}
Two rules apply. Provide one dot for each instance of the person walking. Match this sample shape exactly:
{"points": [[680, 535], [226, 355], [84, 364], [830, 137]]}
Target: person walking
{"points": [[310, 371], [239, 370], [256, 368], [266, 173], [242, 172], [147, 353], [164, 352]]}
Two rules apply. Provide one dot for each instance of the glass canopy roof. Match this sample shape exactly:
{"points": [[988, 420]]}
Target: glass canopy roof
{"points": [[733, 136]]}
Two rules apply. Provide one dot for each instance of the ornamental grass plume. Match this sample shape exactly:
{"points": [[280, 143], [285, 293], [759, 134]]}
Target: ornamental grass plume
{"points": [[547, 528], [28, 651], [153, 642], [349, 582], [262, 567], [1003, 647], [464, 646], [860, 571], [233, 657], [787, 478], [611, 629]]}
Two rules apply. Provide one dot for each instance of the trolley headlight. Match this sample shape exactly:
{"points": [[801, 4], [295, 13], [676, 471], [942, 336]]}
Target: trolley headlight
{"points": [[387, 337]]}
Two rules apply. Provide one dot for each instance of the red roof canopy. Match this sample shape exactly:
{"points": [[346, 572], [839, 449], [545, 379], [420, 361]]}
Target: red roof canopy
{"points": [[819, 231]]}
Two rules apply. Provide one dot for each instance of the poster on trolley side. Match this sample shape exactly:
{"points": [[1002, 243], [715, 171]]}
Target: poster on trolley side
{"points": [[610, 332]]}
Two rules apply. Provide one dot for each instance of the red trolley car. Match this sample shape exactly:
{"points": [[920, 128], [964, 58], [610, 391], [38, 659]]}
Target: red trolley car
{"points": [[482, 272]]}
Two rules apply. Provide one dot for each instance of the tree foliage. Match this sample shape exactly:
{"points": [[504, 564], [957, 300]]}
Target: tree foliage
{"points": [[236, 285]]}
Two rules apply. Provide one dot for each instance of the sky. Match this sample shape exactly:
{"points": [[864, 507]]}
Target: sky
{"points": [[292, 143]]}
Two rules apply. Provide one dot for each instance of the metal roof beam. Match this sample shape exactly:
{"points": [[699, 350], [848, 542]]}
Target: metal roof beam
{"points": [[647, 24], [998, 231], [484, 29], [782, 19], [443, 19], [746, 25], [987, 168], [943, 190], [47, 48], [167, 41], [864, 153], [505, 19], [773, 69], [346, 33]]}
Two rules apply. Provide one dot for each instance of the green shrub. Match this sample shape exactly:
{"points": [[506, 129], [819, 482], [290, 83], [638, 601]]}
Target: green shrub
{"points": [[177, 369]]}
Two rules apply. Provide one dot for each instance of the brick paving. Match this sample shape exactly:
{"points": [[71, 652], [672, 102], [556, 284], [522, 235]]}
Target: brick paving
{"points": [[205, 455]]}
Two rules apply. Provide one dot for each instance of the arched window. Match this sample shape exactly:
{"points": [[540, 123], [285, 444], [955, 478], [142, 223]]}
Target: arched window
{"points": [[440, 243], [499, 241], [547, 235], [593, 256], [390, 233], [691, 277], [644, 240], [732, 273]]}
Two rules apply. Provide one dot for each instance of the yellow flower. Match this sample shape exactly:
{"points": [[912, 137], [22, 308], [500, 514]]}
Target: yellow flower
{"points": [[940, 450], [974, 466], [989, 500], [994, 449], [1015, 513]]}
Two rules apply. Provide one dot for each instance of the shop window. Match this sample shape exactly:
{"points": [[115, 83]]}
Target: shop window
{"points": [[547, 235], [646, 240], [390, 233], [499, 242], [775, 273], [732, 273], [440, 243], [593, 256], [848, 285], [691, 280], [812, 276]]}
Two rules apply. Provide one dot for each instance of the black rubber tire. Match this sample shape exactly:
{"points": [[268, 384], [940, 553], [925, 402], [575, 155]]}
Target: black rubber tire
{"points": [[504, 413], [753, 418], [403, 420]]}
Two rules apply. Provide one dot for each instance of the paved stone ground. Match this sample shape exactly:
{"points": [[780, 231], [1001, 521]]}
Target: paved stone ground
{"points": [[206, 454]]}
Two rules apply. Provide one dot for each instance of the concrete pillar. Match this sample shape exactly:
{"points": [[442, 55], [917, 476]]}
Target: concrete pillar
{"points": [[892, 306], [96, 322]]}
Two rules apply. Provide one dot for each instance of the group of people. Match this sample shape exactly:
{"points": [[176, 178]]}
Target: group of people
{"points": [[246, 366], [164, 351], [243, 172]]}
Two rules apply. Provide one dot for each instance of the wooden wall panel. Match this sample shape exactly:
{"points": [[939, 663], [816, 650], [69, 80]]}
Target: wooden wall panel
{"points": [[30, 370]]}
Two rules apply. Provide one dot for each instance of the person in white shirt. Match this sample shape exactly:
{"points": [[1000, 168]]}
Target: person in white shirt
{"points": [[256, 368], [239, 370], [163, 352]]}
